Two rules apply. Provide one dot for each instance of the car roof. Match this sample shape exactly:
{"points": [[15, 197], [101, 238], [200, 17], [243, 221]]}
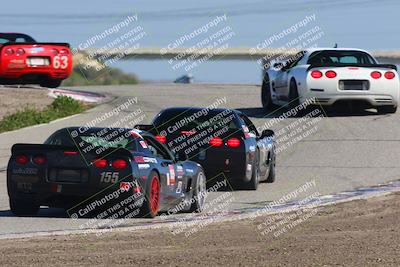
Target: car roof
{"points": [[311, 50]]}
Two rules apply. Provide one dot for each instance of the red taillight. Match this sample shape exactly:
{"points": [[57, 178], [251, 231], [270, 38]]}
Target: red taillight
{"points": [[100, 163], [124, 186], [20, 51], [330, 74], [376, 74], [138, 159], [119, 164], [216, 141], [316, 74], [22, 159], [233, 142], [389, 75], [9, 51], [54, 52], [70, 153], [39, 160], [161, 138], [64, 51]]}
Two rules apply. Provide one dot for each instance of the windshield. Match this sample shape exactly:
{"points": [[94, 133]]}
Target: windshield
{"points": [[328, 57], [15, 38]]}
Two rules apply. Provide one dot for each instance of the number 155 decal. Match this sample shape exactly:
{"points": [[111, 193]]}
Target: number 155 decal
{"points": [[60, 62], [109, 177]]}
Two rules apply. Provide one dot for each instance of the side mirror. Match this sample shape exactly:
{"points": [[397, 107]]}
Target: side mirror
{"points": [[181, 156], [267, 133], [278, 65]]}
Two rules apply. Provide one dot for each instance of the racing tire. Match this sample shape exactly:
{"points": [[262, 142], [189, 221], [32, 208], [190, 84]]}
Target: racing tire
{"points": [[294, 100], [21, 207], [386, 109], [151, 203], [50, 83], [266, 98], [199, 193], [255, 175], [271, 174]]}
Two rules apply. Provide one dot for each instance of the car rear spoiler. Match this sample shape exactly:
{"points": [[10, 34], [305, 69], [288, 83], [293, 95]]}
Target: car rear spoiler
{"points": [[59, 44], [21, 148], [387, 66]]}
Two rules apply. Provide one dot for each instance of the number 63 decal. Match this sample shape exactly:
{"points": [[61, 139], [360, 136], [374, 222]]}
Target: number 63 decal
{"points": [[60, 62], [109, 177]]}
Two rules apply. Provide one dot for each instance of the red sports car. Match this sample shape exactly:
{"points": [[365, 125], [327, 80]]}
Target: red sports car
{"points": [[25, 61]]}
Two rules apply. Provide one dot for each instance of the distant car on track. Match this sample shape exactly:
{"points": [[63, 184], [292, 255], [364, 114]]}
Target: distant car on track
{"points": [[79, 167], [25, 61], [224, 141], [332, 75]]}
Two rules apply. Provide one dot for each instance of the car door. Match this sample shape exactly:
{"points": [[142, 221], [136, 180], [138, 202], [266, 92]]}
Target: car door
{"points": [[260, 144], [172, 179], [282, 79]]}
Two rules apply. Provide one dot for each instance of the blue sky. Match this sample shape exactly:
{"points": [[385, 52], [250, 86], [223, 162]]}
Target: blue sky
{"points": [[368, 24]]}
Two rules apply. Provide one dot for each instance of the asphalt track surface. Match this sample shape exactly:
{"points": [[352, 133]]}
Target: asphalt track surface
{"points": [[345, 150]]}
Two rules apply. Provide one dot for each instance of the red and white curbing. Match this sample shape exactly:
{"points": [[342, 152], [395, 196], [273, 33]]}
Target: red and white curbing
{"points": [[77, 95]]}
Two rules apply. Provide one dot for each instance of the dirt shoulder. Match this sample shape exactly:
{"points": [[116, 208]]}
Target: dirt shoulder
{"points": [[358, 233], [15, 99]]}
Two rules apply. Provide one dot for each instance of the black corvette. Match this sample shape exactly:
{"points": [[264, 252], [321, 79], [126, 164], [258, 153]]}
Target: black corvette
{"points": [[103, 173], [224, 141]]}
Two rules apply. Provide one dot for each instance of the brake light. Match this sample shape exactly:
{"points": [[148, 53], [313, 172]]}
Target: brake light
{"points": [[316, 74], [9, 51], [100, 163], [233, 142], [54, 52], [70, 153], [376, 74], [161, 138], [330, 74], [216, 141], [22, 159], [20, 51], [39, 160], [119, 164], [389, 75], [64, 51]]}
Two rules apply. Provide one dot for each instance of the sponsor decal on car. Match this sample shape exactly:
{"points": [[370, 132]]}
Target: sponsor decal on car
{"points": [[179, 187], [171, 177], [143, 144], [150, 160], [143, 166], [179, 170], [190, 170], [31, 171], [249, 167]]}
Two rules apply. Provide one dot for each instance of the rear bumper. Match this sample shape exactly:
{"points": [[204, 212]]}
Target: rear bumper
{"points": [[373, 100]]}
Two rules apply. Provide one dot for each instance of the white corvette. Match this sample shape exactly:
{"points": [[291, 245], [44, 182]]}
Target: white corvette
{"points": [[330, 75]]}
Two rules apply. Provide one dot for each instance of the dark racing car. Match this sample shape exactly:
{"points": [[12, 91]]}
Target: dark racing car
{"points": [[103, 173], [224, 141]]}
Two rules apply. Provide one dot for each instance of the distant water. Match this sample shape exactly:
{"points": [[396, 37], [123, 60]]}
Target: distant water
{"points": [[346, 22]]}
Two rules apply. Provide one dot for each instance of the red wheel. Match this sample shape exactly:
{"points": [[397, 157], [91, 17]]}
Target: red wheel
{"points": [[154, 196]]}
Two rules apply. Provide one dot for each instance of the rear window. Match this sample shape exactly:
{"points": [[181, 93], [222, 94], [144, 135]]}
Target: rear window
{"points": [[94, 138], [328, 57], [194, 120]]}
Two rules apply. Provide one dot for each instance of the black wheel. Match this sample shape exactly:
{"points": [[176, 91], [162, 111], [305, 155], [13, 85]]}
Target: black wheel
{"points": [[266, 98], [50, 83], [386, 109], [255, 175], [21, 207], [294, 100], [151, 203], [199, 193], [271, 174]]}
